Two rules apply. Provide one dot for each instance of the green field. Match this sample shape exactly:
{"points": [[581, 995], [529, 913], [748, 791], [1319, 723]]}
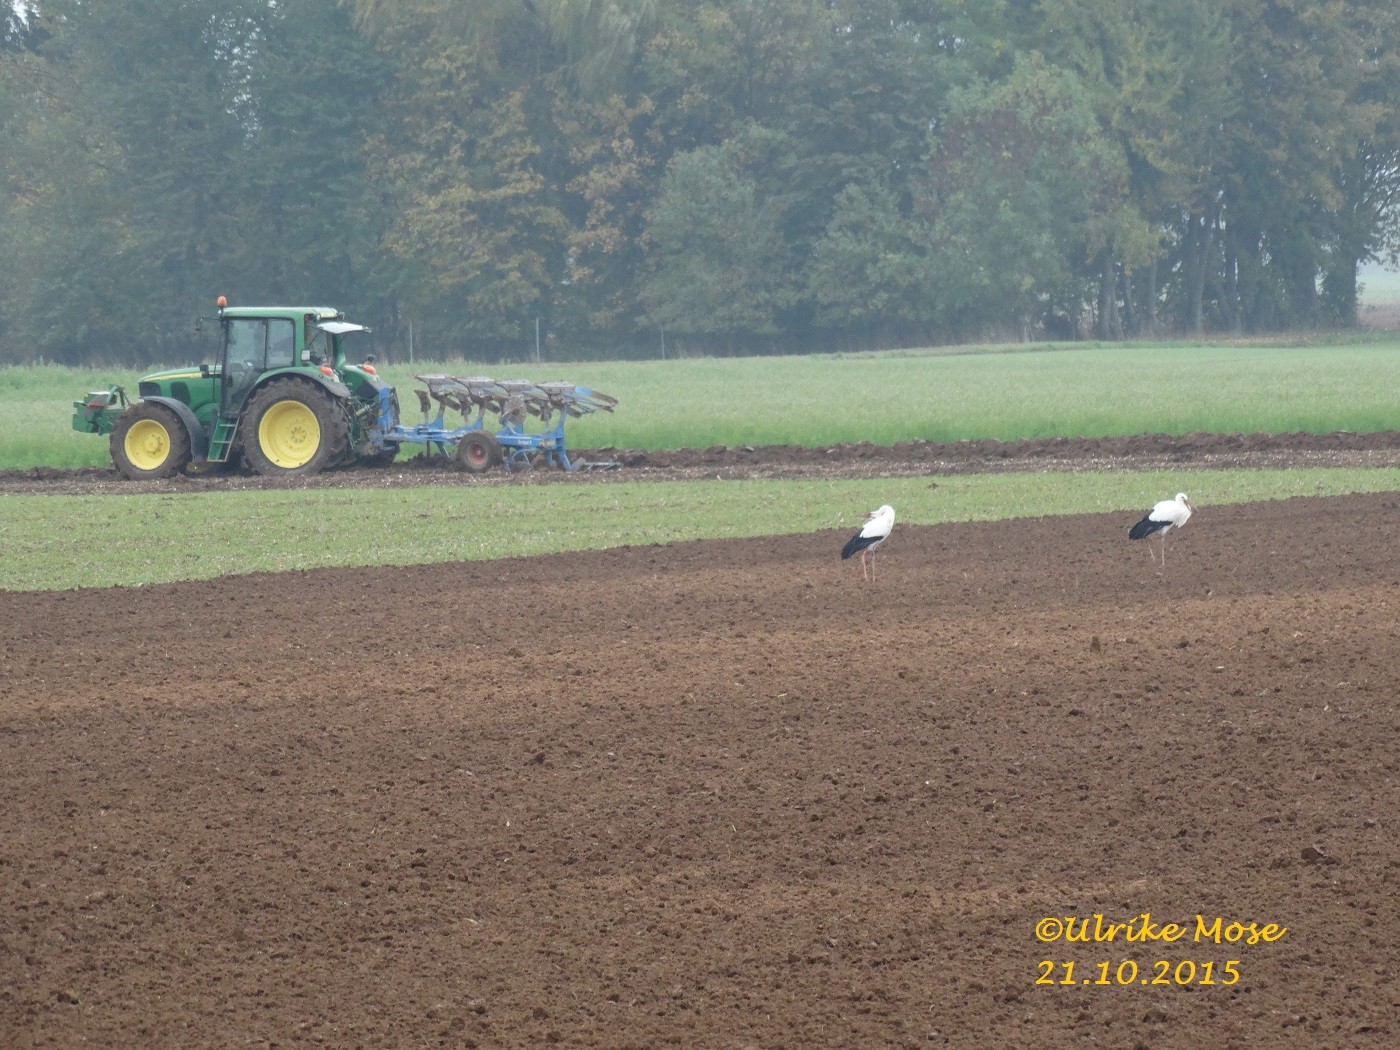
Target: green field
{"points": [[966, 393], [50, 540]]}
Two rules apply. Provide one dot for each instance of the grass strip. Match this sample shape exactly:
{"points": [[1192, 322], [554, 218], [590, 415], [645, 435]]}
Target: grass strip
{"points": [[57, 542]]}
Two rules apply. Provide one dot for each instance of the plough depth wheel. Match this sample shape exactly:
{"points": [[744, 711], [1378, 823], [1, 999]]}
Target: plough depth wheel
{"points": [[478, 452]]}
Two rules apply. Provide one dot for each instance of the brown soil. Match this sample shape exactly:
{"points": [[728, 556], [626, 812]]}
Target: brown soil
{"points": [[1141, 452], [715, 794]]}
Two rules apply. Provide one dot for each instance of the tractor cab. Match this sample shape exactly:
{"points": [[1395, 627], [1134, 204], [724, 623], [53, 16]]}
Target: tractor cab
{"points": [[259, 345], [252, 347]]}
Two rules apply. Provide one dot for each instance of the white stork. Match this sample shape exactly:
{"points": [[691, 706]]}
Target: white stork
{"points": [[876, 530], [1161, 519]]}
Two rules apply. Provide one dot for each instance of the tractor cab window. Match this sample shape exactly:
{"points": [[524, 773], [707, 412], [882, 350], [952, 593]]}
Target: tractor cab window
{"points": [[315, 351], [251, 347], [281, 344], [245, 343]]}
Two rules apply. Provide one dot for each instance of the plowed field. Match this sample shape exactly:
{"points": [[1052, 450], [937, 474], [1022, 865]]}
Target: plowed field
{"points": [[718, 794]]}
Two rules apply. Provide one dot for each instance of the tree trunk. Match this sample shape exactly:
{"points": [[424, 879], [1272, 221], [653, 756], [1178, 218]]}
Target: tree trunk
{"points": [[1198, 257], [1232, 283], [1150, 305], [1339, 278], [1302, 271], [1107, 326], [1343, 295], [1366, 198], [1130, 318], [1101, 310]]}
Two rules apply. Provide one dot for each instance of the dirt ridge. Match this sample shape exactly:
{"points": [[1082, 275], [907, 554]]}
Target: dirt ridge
{"points": [[854, 459]]}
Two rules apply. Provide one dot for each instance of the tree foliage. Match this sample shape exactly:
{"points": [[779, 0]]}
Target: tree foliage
{"points": [[718, 254], [803, 171], [1025, 193]]}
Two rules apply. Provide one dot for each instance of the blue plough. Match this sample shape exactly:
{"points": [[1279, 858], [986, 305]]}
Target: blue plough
{"points": [[505, 441]]}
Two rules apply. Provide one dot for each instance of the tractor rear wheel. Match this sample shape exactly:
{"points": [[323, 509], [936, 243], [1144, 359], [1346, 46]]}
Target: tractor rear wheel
{"points": [[292, 428], [478, 452], [149, 441]]}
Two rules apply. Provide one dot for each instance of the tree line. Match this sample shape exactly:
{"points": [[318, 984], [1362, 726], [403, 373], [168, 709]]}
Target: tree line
{"points": [[717, 174]]}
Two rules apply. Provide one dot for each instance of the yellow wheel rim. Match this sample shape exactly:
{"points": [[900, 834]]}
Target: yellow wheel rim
{"points": [[147, 444], [289, 434]]}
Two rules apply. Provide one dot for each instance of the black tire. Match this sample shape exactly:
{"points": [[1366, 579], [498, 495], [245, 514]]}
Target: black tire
{"points": [[279, 439], [478, 452], [149, 441]]}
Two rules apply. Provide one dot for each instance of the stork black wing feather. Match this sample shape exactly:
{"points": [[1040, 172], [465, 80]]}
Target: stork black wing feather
{"points": [[858, 543], [1146, 527]]}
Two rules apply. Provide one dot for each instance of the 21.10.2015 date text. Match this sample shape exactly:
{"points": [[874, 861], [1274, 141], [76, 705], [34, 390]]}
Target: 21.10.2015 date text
{"points": [[1127, 973]]}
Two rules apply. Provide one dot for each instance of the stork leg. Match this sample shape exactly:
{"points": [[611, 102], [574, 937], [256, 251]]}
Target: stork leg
{"points": [[864, 568]]}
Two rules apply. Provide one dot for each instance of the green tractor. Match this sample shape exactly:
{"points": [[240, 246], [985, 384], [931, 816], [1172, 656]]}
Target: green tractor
{"points": [[282, 398]]}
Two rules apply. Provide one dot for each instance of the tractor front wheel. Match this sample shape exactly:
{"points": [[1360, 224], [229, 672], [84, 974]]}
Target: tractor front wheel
{"points": [[149, 441], [292, 428], [478, 452]]}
